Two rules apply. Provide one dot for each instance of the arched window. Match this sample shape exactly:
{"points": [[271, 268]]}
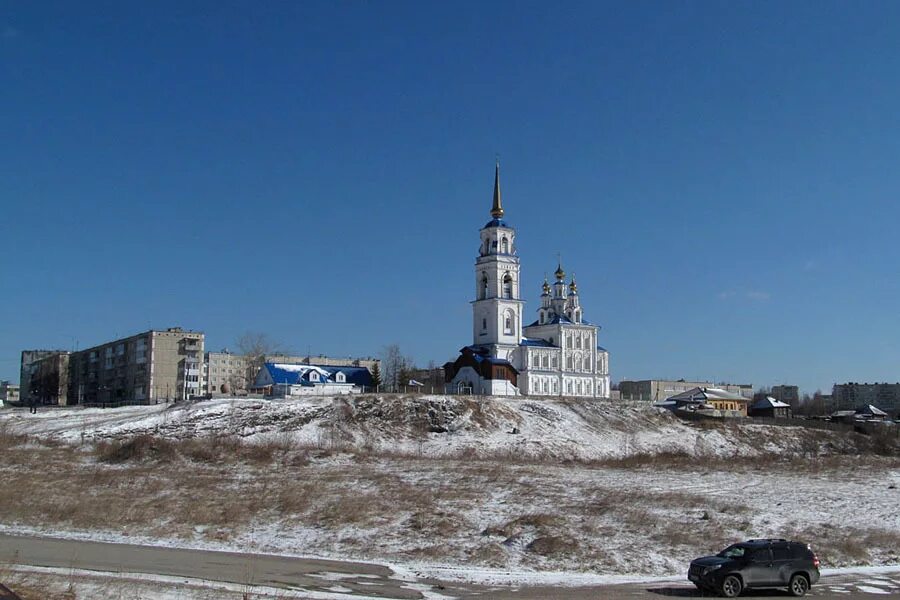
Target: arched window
{"points": [[570, 364], [504, 246], [587, 364], [545, 362], [542, 317], [578, 341], [578, 316], [484, 286], [507, 286], [508, 324]]}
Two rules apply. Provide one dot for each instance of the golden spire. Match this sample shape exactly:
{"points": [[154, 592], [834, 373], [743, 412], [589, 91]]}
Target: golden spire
{"points": [[497, 209], [573, 286], [546, 286]]}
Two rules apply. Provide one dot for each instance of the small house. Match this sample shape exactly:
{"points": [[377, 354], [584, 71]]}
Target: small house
{"points": [[288, 380], [710, 398], [770, 407]]}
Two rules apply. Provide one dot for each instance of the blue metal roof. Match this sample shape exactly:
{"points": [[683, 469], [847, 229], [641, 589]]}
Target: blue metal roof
{"points": [[496, 223], [602, 349], [354, 375]]}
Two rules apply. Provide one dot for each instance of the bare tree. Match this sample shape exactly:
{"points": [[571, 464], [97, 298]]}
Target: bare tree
{"points": [[395, 368], [255, 346]]}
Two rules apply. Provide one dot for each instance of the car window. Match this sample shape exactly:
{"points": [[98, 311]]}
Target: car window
{"points": [[782, 553], [732, 552], [761, 555]]}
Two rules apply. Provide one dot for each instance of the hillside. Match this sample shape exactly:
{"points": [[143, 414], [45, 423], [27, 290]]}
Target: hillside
{"points": [[442, 485], [442, 426]]}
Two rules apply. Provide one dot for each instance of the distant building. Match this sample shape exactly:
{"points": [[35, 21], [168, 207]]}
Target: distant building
{"points": [[27, 368], [44, 377], [556, 355], [848, 396], [322, 360], [656, 390], [9, 392], [145, 368], [288, 380], [789, 394], [730, 404], [866, 412], [769, 407], [226, 373]]}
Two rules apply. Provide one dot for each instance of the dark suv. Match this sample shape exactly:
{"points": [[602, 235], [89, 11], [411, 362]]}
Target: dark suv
{"points": [[757, 564]]}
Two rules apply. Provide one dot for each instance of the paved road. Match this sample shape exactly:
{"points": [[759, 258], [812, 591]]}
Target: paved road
{"points": [[357, 578]]}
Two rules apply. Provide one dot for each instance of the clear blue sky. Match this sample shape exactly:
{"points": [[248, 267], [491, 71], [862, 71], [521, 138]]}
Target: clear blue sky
{"points": [[722, 176]]}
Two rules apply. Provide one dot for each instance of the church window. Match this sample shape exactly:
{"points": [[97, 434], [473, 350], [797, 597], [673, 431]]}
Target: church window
{"points": [[588, 388], [568, 387], [554, 361], [484, 286], [484, 323], [578, 316], [542, 317], [494, 245], [578, 341], [578, 387], [487, 246], [507, 324], [504, 246], [545, 362], [570, 364], [587, 364], [507, 286]]}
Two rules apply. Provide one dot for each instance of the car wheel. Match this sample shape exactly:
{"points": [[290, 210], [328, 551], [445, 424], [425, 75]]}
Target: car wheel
{"points": [[799, 585], [732, 586]]}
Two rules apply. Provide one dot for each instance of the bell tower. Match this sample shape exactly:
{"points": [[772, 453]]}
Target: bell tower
{"points": [[497, 308]]}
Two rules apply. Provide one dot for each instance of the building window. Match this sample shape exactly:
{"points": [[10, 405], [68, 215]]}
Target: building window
{"points": [[504, 246], [484, 323], [484, 286], [507, 324], [507, 286]]}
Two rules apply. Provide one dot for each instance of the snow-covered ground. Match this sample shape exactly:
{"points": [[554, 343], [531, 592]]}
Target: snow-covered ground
{"points": [[435, 426], [493, 490]]}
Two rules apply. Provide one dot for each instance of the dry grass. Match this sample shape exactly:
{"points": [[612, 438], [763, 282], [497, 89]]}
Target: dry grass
{"points": [[400, 507]]}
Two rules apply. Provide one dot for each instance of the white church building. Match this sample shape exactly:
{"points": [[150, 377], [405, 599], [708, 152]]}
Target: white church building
{"points": [[556, 355]]}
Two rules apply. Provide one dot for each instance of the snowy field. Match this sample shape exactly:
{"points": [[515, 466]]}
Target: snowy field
{"points": [[443, 486]]}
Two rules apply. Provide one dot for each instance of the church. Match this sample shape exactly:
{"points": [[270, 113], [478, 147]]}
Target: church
{"points": [[556, 355]]}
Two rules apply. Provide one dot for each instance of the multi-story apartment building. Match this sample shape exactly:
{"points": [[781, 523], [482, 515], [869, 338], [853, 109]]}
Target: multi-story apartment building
{"points": [[43, 376], [659, 389], [789, 394], [322, 361], [9, 392], [847, 396], [29, 369], [226, 373], [145, 368]]}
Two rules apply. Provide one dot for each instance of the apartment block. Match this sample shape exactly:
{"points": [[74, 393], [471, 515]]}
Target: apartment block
{"points": [[43, 376], [154, 366], [848, 396], [789, 394], [655, 390], [322, 361], [226, 373]]}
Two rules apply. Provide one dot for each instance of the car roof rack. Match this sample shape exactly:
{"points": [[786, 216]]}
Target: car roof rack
{"points": [[767, 540]]}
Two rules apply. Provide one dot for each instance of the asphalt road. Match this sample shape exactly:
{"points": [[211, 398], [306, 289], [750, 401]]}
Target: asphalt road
{"points": [[358, 578]]}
